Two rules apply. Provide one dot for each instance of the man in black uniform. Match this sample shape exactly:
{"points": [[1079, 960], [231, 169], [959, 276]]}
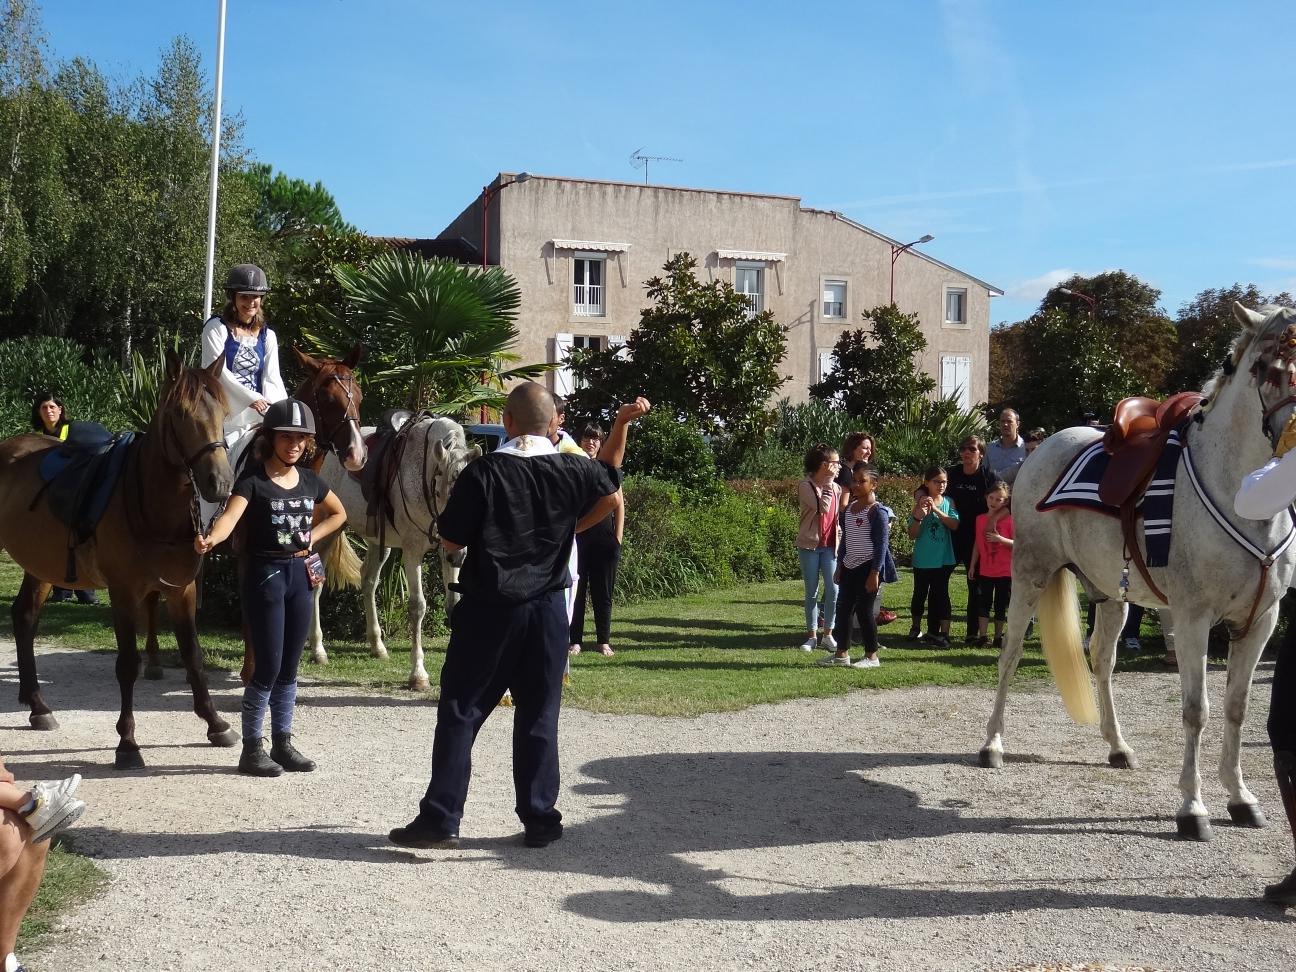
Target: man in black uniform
{"points": [[517, 511]]}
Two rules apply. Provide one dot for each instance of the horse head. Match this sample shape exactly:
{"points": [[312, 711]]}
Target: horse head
{"points": [[189, 423], [1267, 349], [332, 391]]}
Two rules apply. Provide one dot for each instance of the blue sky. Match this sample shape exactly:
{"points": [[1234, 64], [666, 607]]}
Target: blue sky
{"points": [[1032, 139]]}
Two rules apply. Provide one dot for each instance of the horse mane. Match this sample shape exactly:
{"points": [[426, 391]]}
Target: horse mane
{"points": [[1240, 345], [188, 388]]}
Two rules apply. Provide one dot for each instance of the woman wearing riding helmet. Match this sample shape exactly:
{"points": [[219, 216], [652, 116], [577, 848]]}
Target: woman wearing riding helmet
{"points": [[289, 510], [239, 334]]}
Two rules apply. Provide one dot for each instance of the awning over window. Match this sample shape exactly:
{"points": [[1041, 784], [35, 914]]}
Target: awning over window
{"points": [[756, 256], [593, 245]]}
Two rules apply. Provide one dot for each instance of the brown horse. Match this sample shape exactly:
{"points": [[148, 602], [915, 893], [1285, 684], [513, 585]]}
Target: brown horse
{"points": [[141, 548]]}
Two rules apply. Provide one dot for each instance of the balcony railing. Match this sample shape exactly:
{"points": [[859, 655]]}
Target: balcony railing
{"points": [[755, 302], [587, 300]]}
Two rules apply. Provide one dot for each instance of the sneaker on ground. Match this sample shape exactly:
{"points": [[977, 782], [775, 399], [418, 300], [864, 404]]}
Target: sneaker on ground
{"points": [[1133, 646], [835, 661], [938, 640], [915, 634], [56, 808], [809, 644], [828, 641], [886, 617], [867, 662]]}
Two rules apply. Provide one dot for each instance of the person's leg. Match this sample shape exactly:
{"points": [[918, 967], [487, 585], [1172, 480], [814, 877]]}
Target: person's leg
{"points": [[866, 615], [585, 567], [1003, 598], [940, 602], [298, 602], [473, 679], [828, 567], [922, 585], [985, 605], [603, 577], [1129, 636], [964, 555], [848, 593], [535, 663], [1282, 738], [22, 865], [264, 586], [810, 578]]}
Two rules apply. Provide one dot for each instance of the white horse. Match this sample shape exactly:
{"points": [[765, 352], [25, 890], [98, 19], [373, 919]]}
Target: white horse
{"points": [[1218, 566], [435, 453]]}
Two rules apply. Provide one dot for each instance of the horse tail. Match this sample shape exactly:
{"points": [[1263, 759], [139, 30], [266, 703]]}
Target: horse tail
{"points": [[1059, 618], [342, 566]]}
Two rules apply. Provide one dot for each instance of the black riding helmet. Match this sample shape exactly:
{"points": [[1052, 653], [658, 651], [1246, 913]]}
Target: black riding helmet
{"points": [[289, 415], [247, 278]]}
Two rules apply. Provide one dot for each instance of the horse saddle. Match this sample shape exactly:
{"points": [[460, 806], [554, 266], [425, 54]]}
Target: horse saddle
{"points": [[79, 477], [1134, 441], [386, 447]]}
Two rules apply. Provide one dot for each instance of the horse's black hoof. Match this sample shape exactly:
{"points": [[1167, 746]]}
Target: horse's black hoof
{"points": [[1247, 815], [225, 738], [153, 672], [990, 758], [43, 722], [128, 759], [1123, 761], [1193, 827]]}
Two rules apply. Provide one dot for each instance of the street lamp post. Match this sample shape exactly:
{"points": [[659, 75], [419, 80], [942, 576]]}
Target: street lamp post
{"points": [[1091, 301], [489, 193], [896, 250]]}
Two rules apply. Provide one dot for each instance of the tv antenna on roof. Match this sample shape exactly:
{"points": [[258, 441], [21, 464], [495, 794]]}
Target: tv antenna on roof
{"points": [[640, 161]]}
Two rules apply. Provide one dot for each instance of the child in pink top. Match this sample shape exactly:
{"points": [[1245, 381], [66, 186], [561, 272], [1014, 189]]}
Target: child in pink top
{"points": [[992, 562]]}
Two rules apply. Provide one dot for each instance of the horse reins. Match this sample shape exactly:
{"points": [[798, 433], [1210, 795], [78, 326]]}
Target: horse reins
{"points": [[349, 414]]}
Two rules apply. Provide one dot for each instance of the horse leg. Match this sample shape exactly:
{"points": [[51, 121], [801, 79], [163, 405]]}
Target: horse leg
{"points": [[25, 612], [315, 634], [412, 559], [375, 557], [128, 666], [1193, 820], [1244, 653], [1109, 619], [152, 653], [1020, 610], [182, 605]]}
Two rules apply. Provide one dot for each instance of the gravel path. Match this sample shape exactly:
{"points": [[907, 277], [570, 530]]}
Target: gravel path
{"points": [[849, 833]]}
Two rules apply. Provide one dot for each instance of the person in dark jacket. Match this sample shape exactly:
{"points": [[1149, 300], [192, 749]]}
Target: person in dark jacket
{"points": [[969, 481]]}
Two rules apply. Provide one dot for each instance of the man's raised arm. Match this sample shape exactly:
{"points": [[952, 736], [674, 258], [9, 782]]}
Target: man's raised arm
{"points": [[612, 451]]}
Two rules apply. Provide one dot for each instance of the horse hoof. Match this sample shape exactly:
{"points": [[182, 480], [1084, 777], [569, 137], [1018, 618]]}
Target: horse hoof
{"points": [[128, 759], [43, 722], [1122, 760], [1247, 815], [153, 672], [418, 683], [990, 758], [224, 738], [378, 651], [1193, 827], [320, 657]]}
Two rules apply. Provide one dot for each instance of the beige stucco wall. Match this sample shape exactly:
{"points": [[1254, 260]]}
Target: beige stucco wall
{"points": [[659, 222]]}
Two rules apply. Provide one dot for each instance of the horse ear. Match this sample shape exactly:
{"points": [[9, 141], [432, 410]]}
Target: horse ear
{"points": [[305, 360], [174, 365], [439, 450], [353, 359], [1251, 320], [474, 453], [214, 369]]}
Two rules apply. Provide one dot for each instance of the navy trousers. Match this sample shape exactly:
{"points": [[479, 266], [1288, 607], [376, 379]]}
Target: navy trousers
{"points": [[1282, 702], [493, 647]]}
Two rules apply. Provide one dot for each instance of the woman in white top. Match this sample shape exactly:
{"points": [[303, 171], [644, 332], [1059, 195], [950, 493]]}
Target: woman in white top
{"points": [[239, 334]]}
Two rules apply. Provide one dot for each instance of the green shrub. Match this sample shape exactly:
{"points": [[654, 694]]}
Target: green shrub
{"points": [[662, 447], [86, 383], [768, 460], [927, 435]]}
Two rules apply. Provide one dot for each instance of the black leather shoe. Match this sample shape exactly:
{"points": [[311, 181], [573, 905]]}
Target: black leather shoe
{"points": [[283, 752], [542, 835], [420, 835], [256, 762]]}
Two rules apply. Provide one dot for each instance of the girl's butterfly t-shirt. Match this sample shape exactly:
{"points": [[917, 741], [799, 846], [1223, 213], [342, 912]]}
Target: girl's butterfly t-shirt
{"points": [[278, 519]]}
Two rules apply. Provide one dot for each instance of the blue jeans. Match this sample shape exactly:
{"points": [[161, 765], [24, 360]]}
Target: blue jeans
{"points": [[816, 564]]}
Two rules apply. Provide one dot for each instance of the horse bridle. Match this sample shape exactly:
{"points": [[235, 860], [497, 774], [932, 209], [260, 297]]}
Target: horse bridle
{"points": [[1279, 372], [350, 414]]}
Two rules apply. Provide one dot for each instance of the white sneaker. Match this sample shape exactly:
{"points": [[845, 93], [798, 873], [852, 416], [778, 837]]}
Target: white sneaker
{"points": [[808, 644], [835, 661], [867, 662], [828, 642], [56, 808]]}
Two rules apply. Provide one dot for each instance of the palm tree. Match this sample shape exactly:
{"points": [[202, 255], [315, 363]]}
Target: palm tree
{"points": [[437, 333]]}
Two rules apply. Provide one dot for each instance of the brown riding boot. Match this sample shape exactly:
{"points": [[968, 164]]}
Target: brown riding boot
{"points": [[1284, 892]]}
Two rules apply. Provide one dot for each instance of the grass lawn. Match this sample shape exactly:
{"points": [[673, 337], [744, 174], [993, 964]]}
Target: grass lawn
{"points": [[69, 880], [712, 652]]}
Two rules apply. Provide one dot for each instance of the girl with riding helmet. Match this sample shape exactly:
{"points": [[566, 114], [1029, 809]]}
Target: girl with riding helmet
{"points": [[239, 334], [289, 509]]}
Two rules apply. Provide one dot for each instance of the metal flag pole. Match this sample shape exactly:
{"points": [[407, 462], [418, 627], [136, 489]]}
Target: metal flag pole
{"points": [[215, 161]]}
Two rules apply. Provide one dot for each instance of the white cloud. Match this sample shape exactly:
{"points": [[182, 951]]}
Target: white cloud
{"points": [[1274, 263], [1035, 288]]}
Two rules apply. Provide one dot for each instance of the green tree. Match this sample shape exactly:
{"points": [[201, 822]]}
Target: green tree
{"points": [[1206, 328], [288, 208], [437, 334], [875, 368], [698, 353]]}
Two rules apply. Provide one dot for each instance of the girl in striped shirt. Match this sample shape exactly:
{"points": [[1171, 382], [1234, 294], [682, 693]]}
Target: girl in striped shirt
{"points": [[864, 539]]}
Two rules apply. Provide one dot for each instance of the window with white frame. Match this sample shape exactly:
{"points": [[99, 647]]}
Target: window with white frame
{"points": [[956, 379], [749, 280], [956, 307], [589, 342], [587, 285], [834, 299]]}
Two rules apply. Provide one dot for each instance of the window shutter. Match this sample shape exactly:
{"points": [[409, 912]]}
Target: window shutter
{"points": [[618, 342], [946, 377], [963, 380], [825, 364], [562, 376]]}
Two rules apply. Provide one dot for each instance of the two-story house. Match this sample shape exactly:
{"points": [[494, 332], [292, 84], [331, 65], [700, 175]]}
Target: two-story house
{"points": [[581, 250]]}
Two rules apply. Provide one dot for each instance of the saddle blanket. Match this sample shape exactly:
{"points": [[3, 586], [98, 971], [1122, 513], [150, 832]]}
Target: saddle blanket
{"points": [[1077, 487]]}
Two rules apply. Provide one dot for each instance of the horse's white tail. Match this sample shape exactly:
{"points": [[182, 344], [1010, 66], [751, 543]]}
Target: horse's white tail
{"points": [[341, 564], [1059, 618]]}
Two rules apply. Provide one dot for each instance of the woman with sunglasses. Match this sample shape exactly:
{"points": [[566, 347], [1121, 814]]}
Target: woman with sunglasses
{"points": [[970, 479]]}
